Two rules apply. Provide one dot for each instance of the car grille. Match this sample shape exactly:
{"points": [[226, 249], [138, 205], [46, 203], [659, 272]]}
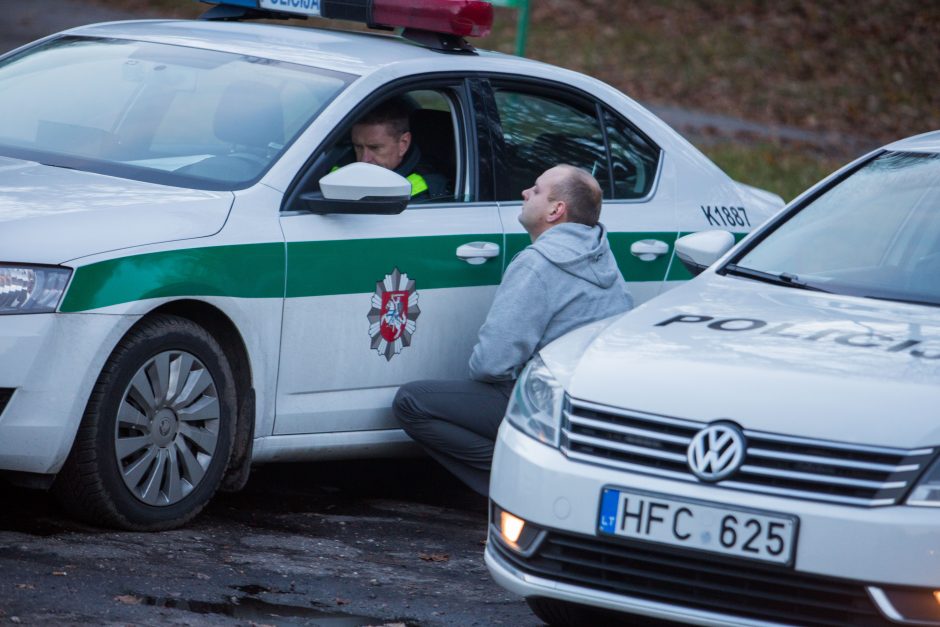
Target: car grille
{"points": [[773, 464], [701, 582], [5, 395]]}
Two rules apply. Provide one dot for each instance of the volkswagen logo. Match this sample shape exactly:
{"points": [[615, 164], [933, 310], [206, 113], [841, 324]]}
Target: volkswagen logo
{"points": [[716, 452]]}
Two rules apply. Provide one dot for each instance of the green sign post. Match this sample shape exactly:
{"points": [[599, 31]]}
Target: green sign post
{"points": [[522, 27]]}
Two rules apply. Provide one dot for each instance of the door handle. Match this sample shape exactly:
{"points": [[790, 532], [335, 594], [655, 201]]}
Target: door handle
{"points": [[648, 249], [476, 253]]}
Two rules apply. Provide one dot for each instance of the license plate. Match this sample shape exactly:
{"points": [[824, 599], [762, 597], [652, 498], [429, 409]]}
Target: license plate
{"points": [[300, 7], [713, 527]]}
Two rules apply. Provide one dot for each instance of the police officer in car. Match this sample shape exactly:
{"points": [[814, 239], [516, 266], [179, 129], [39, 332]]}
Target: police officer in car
{"points": [[383, 137], [568, 277]]}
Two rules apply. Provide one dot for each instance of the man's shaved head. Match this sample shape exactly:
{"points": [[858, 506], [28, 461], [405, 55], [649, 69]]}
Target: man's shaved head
{"points": [[580, 192]]}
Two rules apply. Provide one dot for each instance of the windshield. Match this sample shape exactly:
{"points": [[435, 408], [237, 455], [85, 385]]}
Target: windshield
{"points": [[154, 112], [876, 234]]}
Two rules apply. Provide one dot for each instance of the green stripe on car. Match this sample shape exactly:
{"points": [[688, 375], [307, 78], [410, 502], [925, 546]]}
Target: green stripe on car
{"points": [[318, 268], [242, 271], [632, 269], [354, 266]]}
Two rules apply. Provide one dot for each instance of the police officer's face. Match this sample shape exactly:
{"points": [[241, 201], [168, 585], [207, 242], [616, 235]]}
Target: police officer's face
{"points": [[377, 144], [539, 211]]}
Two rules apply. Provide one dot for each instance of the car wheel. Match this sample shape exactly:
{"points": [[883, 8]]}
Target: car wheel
{"points": [[157, 432], [564, 614]]}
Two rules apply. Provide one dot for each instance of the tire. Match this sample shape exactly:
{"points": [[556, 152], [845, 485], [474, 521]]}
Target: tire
{"points": [[157, 432], [565, 614]]}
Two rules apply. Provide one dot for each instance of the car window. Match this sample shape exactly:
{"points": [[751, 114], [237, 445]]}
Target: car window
{"points": [[875, 233], [435, 153], [170, 114], [541, 132], [635, 159]]}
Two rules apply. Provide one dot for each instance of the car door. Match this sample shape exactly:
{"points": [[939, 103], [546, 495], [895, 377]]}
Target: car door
{"points": [[542, 125], [434, 268]]}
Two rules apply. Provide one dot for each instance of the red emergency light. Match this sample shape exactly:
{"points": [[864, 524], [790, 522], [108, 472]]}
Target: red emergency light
{"points": [[464, 18], [455, 18]]}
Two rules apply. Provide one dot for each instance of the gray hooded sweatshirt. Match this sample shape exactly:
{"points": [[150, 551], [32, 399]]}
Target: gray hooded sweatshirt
{"points": [[564, 280]]}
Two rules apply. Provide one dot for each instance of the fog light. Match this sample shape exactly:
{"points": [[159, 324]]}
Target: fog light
{"points": [[908, 605], [513, 532], [511, 527]]}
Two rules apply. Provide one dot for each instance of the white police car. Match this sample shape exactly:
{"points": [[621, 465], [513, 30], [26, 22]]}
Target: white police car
{"points": [[179, 294], [759, 446]]}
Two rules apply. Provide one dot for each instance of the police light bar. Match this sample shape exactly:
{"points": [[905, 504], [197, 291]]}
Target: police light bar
{"points": [[461, 18]]}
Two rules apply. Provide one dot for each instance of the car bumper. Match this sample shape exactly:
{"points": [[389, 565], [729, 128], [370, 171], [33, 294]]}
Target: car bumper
{"points": [[870, 550], [48, 366], [528, 585]]}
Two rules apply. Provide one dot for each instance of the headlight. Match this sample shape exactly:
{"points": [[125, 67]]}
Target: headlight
{"points": [[31, 289], [926, 492], [535, 405]]}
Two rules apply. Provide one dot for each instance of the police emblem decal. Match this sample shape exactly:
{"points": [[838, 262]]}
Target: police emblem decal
{"points": [[393, 314]]}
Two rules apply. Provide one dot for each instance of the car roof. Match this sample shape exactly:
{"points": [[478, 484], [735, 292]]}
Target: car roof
{"points": [[353, 52], [927, 142]]}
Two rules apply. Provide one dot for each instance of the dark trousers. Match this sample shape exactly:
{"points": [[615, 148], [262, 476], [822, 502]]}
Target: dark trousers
{"points": [[456, 423]]}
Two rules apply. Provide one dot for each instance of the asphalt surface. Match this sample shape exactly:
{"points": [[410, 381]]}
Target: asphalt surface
{"points": [[383, 542]]}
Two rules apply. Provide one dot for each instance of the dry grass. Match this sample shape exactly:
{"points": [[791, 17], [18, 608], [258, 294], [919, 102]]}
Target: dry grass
{"points": [[784, 170], [861, 67]]}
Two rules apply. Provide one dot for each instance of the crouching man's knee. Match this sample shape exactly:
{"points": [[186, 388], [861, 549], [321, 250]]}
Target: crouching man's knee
{"points": [[405, 405]]}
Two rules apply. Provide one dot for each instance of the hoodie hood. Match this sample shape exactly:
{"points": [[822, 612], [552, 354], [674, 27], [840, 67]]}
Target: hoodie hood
{"points": [[566, 279], [580, 250]]}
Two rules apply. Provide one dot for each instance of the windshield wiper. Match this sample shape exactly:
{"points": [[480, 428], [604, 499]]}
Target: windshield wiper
{"points": [[784, 278]]}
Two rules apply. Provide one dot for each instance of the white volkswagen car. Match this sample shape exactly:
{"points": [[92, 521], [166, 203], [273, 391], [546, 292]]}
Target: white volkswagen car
{"points": [[191, 280], [759, 446]]}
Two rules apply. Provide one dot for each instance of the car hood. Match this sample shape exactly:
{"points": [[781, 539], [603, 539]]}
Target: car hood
{"points": [[769, 358], [51, 215]]}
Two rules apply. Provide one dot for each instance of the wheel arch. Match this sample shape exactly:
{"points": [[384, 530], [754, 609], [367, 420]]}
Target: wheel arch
{"points": [[226, 333]]}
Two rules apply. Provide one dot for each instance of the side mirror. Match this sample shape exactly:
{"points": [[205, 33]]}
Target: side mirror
{"points": [[360, 188], [700, 250]]}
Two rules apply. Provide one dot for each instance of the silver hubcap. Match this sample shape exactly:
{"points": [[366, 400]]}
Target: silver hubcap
{"points": [[167, 428]]}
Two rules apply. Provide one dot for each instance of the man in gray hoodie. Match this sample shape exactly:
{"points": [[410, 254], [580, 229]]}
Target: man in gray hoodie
{"points": [[568, 277]]}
